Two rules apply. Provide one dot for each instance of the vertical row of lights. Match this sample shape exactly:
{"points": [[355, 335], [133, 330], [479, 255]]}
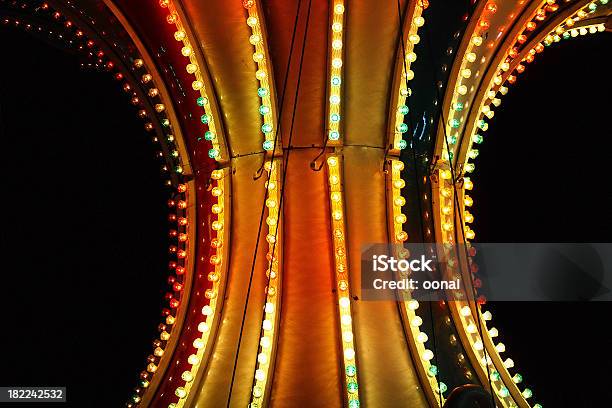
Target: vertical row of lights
{"points": [[268, 127], [335, 71], [407, 75], [342, 279], [262, 74], [398, 201], [215, 276], [193, 68], [268, 327], [336, 196]]}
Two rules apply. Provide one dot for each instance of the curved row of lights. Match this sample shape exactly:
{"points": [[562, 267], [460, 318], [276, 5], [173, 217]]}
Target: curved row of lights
{"points": [[267, 110], [178, 218], [497, 85], [479, 340], [198, 83], [417, 338], [403, 91], [218, 187]]}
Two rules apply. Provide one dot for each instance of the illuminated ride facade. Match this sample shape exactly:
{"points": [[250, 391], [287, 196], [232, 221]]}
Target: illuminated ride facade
{"points": [[281, 126]]}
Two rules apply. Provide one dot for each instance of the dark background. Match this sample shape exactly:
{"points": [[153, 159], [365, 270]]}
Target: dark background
{"points": [[543, 175], [84, 227], [84, 230]]}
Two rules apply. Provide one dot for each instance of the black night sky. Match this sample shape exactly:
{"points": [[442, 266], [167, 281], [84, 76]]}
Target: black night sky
{"points": [[84, 232]]}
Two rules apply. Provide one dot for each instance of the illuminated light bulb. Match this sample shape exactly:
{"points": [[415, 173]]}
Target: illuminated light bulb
{"points": [[473, 153], [471, 328], [492, 8], [347, 336], [349, 354], [255, 39], [337, 27], [180, 392], [527, 393], [462, 89], [503, 90], [334, 135], [187, 376], [203, 327], [400, 201], [262, 358], [164, 335], [466, 73], [402, 128], [332, 161], [504, 392], [400, 219], [153, 92], [343, 285], [422, 337], [337, 45], [467, 183], [180, 35], [268, 145], [427, 355], [466, 311], [252, 21], [198, 343], [508, 363], [266, 128], [416, 321], [271, 221], [346, 320], [335, 196], [336, 81], [258, 57], [478, 345], [162, 3], [269, 308], [414, 38], [265, 342], [471, 57], [411, 57], [501, 347], [334, 117], [271, 185], [186, 51], [344, 302], [260, 74], [158, 352], [454, 123], [477, 41], [419, 21], [267, 325], [159, 107], [413, 304], [207, 310], [334, 99], [469, 218], [260, 375], [151, 367]]}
